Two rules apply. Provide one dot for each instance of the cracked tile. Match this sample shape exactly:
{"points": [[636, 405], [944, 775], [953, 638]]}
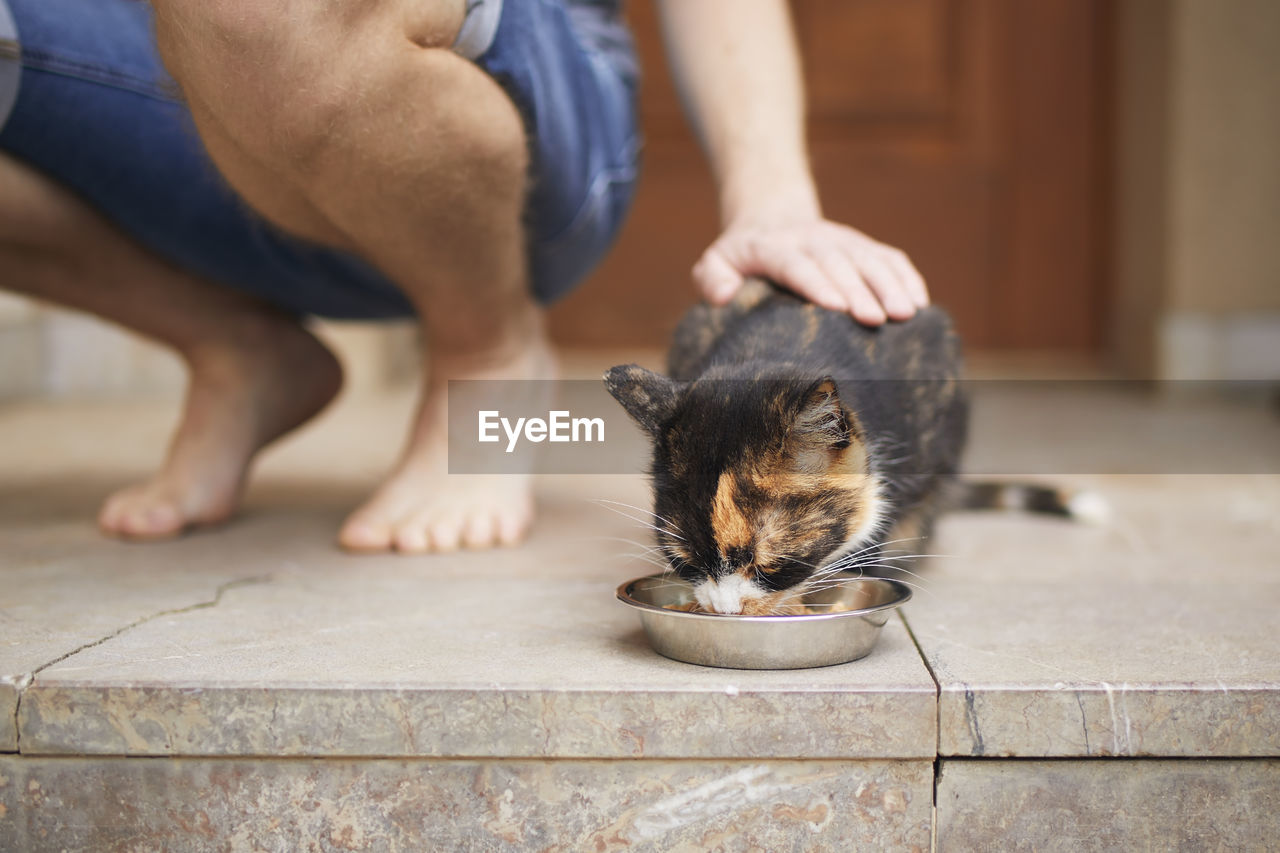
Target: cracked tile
{"points": [[57, 600], [407, 661], [1153, 638], [519, 652], [8, 716]]}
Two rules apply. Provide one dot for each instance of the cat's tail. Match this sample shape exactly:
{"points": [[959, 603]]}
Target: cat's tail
{"points": [[1077, 504]]}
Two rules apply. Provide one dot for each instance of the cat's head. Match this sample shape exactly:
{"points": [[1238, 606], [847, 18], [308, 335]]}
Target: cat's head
{"points": [[758, 484]]}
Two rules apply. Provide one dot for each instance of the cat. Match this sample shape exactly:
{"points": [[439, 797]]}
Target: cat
{"points": [[789, 441]]}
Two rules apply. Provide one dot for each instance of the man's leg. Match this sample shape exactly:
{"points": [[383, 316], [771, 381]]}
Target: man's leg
{"points": [[254, 372], [417, 160]]}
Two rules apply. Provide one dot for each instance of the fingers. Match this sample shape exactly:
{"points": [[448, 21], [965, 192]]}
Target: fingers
{"points": [[897, 286], [890, 291], [908, 275], [716, 277], [834, 266], [861, 302], [806, 276]]}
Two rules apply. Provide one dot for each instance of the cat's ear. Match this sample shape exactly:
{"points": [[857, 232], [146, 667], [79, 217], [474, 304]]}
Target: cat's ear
{"points": [[822, 421], [650, 398]]}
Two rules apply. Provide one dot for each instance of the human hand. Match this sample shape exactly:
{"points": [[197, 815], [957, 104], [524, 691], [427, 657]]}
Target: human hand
{"points": [[830, 264]]}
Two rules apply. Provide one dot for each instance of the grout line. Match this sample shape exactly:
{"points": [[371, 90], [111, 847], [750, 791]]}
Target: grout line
{"points": [[937, 731], [26, 680], [464, 759], [1103, 760], [937, 685], [17, 701]]}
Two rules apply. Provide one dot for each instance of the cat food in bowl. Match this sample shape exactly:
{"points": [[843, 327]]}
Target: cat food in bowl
{"points": [[836, 624]]}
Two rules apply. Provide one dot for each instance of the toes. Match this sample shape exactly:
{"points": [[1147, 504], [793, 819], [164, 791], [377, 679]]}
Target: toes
{"points": [[512, 526], [446, 534], [479, 530], [357, 534], [137, 515], [161, 519], [411, 539], [442, 534], [444, 520], [111, 514]]}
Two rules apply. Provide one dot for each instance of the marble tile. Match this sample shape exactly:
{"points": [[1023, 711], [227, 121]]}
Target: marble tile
{"points": [[1153, 637], [312, 651], [64, 588], [1149, 637], [8, 716], [1108, 805], [424, 660], [107, 804], [82, 589]]}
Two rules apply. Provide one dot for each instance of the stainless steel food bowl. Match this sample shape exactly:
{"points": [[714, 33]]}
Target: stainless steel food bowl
{"points": [[765, 642]]}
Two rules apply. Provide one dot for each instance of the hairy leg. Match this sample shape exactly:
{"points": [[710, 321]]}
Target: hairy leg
{"points": [[254, 372], [417, 159]]}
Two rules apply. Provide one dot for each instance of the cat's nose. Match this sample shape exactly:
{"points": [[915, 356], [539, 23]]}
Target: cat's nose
{"points": [[724, 600], [725, 594]]}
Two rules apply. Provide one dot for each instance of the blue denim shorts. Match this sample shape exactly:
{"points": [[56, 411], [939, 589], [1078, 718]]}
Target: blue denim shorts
{"points": [[95, 110]]}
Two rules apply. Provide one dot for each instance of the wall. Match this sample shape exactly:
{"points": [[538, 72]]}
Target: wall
{"points": [[1196, 257], [54, 353], [1197, 260]]}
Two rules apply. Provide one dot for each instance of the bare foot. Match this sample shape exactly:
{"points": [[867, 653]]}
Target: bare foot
{"points": [[421, 507], [243, 394]]}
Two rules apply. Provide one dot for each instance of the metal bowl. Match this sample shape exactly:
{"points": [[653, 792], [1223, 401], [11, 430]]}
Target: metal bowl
{"points": [[765, 642]]}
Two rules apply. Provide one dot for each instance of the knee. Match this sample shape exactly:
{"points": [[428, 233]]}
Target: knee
{"points": [[292, 85], [430, 116], [469, 126], [292, 33], [427, 23], [242, 65], [434, 114], [195, 34]]}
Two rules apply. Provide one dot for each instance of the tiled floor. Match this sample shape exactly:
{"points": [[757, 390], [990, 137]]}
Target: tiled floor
{"points": [[499, 700]]}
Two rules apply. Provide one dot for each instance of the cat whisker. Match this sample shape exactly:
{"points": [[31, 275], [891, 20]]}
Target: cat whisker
{"points": [[845, 557], [654, 561], [894, 558], [891, 572], [623, 539], [644, 523], [636, 556], [668, 522], [832, 577], [896, 569], [873, 563], [825, 585], [807, 565], [670, 581], [874, 545], [916, 587], [854, 559]]}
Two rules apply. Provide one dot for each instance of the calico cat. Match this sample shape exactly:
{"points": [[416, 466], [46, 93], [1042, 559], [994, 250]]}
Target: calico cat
{"points": [[788, 436]]}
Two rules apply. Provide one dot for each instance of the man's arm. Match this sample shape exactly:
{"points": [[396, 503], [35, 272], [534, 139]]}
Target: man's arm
{"points": [[735, 64]]}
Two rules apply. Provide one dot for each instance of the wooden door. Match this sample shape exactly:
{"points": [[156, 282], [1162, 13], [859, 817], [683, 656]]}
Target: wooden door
{"points": [[969, 133]]}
